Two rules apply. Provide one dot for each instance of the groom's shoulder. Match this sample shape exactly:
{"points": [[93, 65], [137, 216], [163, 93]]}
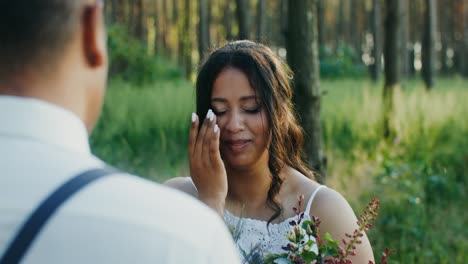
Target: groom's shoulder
{"points": [[156, 196], [184, 184], [135, 202], [152, 202]]}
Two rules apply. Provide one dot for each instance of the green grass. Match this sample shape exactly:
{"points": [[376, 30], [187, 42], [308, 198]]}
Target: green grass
{"points": [[144, 130], [420, 176]]}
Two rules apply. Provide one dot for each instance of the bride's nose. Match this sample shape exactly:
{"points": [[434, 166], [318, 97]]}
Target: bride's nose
{"points": [[235, 122]]}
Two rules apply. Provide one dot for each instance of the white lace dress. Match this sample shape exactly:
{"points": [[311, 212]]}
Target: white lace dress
{"points": [[253, 233]]}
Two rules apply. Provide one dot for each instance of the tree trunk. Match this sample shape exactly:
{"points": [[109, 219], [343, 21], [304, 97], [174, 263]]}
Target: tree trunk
{"points": [[302, 56], [243, 18], [139, 27], [341, 24], [209, 20], [157, 46], [273, 24], [353, 28], [113, 11], [465, 40], [227, 20], [284, 21], [161, 26], [377, 37], [180, 33], [261, 20], [187, 40], [405, 56], [164, 26], [362, 17], [321, 25], [118, 11], [203, 28], [415, 33], [445, 28], [428, 44], [460, 46], [171, 30], [392, 63], [131, 17], [175, 12]]}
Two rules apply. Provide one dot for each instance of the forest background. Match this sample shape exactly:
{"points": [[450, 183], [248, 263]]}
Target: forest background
{"points": [[390, 77]]}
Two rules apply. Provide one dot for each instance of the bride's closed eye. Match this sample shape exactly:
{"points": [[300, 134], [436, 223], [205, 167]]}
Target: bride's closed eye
{"points": [[249, 110], [253, 110], [219, 112]]}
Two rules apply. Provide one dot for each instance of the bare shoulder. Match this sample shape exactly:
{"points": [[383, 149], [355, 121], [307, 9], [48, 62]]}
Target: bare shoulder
{"points": [[335, 212], [184, 184], [296, 184], [338, 218], [300, 184], [328, 201]]}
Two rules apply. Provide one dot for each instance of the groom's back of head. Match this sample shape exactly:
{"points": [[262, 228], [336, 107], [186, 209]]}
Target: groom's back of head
{"points": [[55, 51], [34, 33]]}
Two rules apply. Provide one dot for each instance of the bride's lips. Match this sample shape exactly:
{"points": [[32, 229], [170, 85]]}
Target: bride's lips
{"points": [[237, 145]]}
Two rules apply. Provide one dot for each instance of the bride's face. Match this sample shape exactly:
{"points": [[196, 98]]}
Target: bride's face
{"points": [[241, 118]]}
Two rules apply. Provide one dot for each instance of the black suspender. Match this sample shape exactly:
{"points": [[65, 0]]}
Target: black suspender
{"points": [[37, 220]]}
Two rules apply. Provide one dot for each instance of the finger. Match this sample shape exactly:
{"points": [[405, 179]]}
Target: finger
{"points": [[209, 134], [193, 133], [201, 134], [208, 138], [215, 155]]}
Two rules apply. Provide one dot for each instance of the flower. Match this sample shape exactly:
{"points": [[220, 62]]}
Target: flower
{"points": [[307, 247]]}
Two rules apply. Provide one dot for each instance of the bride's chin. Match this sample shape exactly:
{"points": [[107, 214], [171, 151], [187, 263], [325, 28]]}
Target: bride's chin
{"points": [[237, 164]]}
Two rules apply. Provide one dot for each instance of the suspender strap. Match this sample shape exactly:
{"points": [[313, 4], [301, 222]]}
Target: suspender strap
{"points": [[38, 219]]}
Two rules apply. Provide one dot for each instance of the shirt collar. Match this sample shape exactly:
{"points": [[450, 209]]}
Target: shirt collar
{"points": [[38, 120]]}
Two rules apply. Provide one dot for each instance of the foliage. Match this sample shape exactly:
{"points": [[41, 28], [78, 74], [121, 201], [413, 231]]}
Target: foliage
{"points": [[145, 130], [129, 59], [420, 197], [344, 62], [420, 177], [306, 246]]}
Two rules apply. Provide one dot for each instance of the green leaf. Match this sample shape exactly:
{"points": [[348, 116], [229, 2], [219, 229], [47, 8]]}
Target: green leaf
{"points": [[333, 244], [305, 223], [270, 258], [282, 261], [328, 237], [310, 243], [331, 251], [330, 247], [308, 256]]}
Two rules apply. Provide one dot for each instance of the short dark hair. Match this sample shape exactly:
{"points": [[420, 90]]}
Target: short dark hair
{"points": [[34, 32], [270, 78]]}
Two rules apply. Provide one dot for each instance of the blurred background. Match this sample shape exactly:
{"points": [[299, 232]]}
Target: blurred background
{"points": [[388, 79]]}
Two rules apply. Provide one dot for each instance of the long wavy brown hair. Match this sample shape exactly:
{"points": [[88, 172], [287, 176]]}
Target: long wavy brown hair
{"points": [[270, 78]]}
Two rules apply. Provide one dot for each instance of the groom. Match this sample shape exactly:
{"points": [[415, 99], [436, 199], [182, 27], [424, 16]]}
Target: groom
{"points": [[53, 69]]}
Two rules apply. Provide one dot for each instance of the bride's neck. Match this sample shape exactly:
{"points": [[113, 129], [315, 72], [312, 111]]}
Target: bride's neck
{"points": [[249, 187]]}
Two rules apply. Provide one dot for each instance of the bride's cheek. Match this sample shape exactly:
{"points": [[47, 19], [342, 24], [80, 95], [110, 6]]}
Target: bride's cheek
{"points": [[221, 123]]}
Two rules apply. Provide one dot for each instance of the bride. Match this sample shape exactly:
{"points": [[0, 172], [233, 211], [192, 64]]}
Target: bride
{"points": [[245, 152]]}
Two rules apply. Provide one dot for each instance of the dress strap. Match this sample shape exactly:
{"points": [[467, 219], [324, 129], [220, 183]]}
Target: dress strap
{"points": [[309, 203]]}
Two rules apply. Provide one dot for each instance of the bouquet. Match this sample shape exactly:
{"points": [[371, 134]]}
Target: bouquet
{"points": [[306, 246]]}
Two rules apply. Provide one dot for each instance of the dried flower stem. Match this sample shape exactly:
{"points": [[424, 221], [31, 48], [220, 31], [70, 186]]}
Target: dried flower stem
{"points": [[366, 220]]}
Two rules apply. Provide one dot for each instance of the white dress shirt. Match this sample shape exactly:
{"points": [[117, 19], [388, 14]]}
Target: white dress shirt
{"points": [[117, 219]]}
